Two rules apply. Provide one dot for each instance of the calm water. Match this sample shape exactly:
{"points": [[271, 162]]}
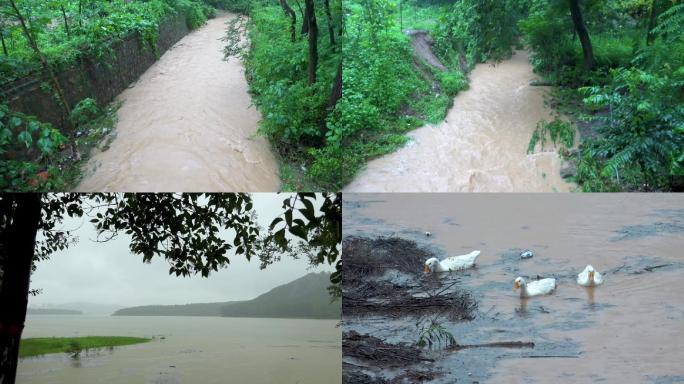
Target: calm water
{"points": [[193, 350], [629, 330]]}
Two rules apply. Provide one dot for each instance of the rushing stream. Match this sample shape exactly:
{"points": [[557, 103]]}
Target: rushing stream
{"points": [[628, 330], [187, 125], [480, 146]]}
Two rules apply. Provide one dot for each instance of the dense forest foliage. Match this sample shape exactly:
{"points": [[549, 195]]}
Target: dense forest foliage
{"points": [[616, 68], [294, 69], [293, 66]]}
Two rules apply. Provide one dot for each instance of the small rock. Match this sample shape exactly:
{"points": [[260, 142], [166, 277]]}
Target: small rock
{"points": [[526, 254], [568, 169]]}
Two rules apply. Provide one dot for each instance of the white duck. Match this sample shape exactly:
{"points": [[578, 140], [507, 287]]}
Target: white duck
{"points": [[535, 288], [589, 277], [453, 263]]}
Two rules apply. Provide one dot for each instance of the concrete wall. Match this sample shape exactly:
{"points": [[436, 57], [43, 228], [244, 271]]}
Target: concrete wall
{"points": [[101, 80]]}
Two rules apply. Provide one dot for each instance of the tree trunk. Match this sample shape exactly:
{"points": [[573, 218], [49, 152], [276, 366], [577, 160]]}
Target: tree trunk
{"points": [[331, 27], [291, 13], [313, 41], [2, 39], [336, 93], [20, 219], [578, 21], [305, 22], [66, 22]]}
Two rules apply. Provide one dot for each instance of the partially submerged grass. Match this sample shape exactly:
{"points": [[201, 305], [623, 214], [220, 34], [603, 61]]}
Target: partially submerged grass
{"points": [[45, 345]]}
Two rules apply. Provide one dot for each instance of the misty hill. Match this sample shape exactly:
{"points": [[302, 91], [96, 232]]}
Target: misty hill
{"points": [[306, 297], [52, 311], [197, 309], [93, 309]]}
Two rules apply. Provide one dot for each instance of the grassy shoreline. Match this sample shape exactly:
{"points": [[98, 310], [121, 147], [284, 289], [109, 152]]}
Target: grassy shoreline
{"points": [[44, 345]]}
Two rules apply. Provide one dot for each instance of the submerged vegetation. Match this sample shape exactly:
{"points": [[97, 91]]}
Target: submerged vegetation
{"points": [[73, 345]]}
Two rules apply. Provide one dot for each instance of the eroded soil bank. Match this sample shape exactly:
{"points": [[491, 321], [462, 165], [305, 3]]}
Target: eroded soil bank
{"points": [[187, 125], [627, 330], [480, 146]]}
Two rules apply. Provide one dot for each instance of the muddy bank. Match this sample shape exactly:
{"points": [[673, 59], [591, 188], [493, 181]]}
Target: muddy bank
{"points": [[187, 125], [480, 146], [627, 330]]}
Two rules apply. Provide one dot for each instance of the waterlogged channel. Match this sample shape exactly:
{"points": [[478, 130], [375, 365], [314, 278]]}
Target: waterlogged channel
{"points": [[628, 330], [480, 146], [189, 350], [187, 125]]}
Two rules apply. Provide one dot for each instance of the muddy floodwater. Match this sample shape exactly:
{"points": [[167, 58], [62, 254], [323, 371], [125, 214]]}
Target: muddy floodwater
{"points": [[187, 125], [628, 330], [189, 350], [480, 146]]}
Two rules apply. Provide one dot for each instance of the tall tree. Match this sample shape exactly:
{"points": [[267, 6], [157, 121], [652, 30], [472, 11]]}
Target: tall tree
{"points": [[331, 25], [310, 15], [293, 16], [188, 230], [580, 27]]}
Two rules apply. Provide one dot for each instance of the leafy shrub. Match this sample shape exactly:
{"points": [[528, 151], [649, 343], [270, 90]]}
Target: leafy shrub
{"points": [[195, 16], [85, 111], [27, 147], [559, 131], [452, 82], [642, 133]]}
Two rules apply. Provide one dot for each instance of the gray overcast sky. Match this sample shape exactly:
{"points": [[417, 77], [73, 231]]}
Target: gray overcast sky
{"points": [[107, 273]]}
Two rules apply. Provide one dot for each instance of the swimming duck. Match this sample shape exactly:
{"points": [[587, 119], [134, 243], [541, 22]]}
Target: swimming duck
{"points": [[535, 288], [589, 277], [452, 263]]}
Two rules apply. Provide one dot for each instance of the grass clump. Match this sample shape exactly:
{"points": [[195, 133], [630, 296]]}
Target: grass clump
{"points": [[44, 345]]}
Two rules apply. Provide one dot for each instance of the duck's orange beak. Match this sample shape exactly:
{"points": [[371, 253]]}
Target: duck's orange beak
{"points": [[427, 269], [591, 275], [516, 285]]}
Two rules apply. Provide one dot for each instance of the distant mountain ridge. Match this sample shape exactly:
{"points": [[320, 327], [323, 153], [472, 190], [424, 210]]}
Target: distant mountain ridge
{"points": [[52, 311], [306, 297]]}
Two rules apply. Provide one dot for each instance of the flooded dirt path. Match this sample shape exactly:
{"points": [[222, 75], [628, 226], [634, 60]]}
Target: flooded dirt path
{"points": [[480, 146], [187, 125], [628, 330]]}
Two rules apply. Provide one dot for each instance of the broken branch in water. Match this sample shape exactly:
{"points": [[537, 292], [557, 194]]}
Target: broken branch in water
{"points": [[498, 344]]}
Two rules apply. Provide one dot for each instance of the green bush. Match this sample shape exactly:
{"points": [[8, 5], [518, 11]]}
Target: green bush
{"points": [[452, 82], [639, 141], [27, 147], [195, 17]]}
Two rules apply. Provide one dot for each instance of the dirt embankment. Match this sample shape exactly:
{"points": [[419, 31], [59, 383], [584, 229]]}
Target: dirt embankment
{"points": [[422, 45]]}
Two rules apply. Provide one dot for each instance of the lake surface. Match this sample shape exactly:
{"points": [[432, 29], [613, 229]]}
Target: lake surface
{"points": [[189, 350], [629, 330]]}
